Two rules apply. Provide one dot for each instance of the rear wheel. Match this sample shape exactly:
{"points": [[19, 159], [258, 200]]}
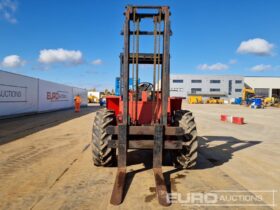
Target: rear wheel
{"points": [[102, 155], [187, 156]]}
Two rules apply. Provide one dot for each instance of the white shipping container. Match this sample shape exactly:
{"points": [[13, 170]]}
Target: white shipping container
{"points": [[22, 95], [53, 96], [18, 94]]}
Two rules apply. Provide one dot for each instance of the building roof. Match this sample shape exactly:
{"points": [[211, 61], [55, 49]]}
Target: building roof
{"points": [[209, 75], [264, 76]]}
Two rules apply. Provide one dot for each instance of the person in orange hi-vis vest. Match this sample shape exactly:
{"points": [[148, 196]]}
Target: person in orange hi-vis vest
{"points": [[78, 102]]}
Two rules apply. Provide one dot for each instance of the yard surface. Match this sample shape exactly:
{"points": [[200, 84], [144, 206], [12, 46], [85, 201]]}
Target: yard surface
{"points": [[45, 162]]}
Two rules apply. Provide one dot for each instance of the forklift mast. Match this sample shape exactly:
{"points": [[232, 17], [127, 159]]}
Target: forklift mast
{"points": [[160, 58]]}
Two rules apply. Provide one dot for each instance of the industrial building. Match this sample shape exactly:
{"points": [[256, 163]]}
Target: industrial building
{"points": [[264, 86], [216, 86]]}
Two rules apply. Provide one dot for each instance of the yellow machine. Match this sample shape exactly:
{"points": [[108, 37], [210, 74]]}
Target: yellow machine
{"points": [[247, 93], [93, 99], [214, 101], [195, 100], [271, 101]]}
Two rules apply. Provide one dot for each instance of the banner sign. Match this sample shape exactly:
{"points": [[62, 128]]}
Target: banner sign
{"points": [[58, 96], [12, 93], [53, 96]]}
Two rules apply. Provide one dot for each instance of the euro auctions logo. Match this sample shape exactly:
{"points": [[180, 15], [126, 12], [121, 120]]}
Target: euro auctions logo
{"points": [[57, 96], [226, 198]]}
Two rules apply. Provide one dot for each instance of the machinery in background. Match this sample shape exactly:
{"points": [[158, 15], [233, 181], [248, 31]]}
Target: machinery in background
{"points": [[199, 100], [276, 101], [214, 101], [195, 100], [247, 95], [249, 98], [99, 97], [93, 96], [93, 99], [256, 103], [102, 101], [271, 101], [236, 101]]}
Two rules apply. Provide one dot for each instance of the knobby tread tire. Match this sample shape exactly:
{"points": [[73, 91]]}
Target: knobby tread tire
{"points": [[187, 156], [102, 155]]}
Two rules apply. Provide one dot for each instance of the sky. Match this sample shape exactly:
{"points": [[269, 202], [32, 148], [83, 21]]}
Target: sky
{"points": [[78, 42]]}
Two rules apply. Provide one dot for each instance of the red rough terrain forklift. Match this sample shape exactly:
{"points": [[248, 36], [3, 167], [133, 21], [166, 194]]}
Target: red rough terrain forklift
{"points": [[144, 116]]}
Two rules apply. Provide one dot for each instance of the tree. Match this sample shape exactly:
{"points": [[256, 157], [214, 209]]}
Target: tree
{"points": [[106, 91], [93, 90]]}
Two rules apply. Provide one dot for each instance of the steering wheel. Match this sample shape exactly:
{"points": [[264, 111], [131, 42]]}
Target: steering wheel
{"points": [[145, 86]]}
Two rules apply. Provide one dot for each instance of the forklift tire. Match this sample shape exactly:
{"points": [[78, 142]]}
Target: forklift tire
{"points": [[102, 155], [187, 156]]}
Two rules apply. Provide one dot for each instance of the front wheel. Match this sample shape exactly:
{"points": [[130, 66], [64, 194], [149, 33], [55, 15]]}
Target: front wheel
{"points": [[187, 156], [102, 155]]}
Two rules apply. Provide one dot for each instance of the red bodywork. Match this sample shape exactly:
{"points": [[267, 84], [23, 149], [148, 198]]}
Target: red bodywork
{"points": [[144, 109]]}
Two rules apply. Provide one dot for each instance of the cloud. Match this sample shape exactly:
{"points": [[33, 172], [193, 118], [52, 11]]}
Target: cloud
{"points": [[12, 61], [256, 46], [261, 68], [233, 61], [213, 67], [8, 9], [49, 56], [97, 62]]}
